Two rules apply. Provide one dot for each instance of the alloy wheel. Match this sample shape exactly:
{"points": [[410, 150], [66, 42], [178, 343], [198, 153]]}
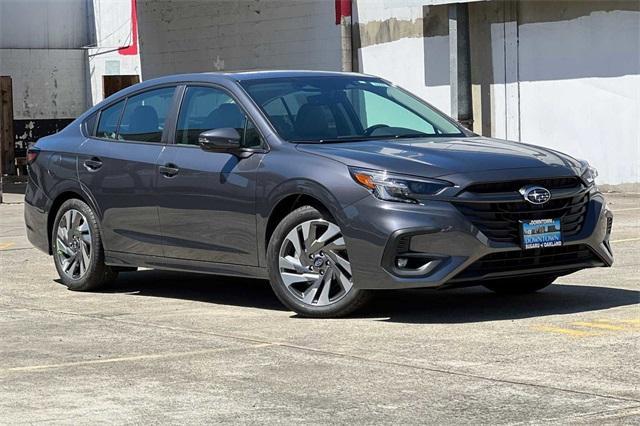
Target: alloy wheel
{"points": [[314, 264], [73, 244]]}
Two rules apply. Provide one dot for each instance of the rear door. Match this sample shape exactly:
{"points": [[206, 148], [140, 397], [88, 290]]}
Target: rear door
{"points": [[118, 167], [207, 199]]}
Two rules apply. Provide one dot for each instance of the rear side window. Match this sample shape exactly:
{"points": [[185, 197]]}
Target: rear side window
{"points": [[109, 118], [144, 115]]}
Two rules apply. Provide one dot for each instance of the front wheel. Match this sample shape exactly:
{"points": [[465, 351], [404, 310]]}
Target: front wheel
{"points": [[309, 266], [519, 285], [77, 248]]}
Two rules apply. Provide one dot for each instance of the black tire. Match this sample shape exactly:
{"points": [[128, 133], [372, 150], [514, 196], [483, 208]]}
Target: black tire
{"points": [[97, 274], [519, 285], [353, 299]]}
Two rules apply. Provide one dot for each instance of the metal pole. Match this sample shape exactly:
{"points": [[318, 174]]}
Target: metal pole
{"points": [[453, 59], [465, 106], [460, 64]]}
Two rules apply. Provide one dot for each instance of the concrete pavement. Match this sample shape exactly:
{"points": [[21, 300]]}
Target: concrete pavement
{"points": [[164, 347]]}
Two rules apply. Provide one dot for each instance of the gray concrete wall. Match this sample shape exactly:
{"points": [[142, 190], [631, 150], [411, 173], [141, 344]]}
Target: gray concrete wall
{"points": [[47, 83], [195, 36], [42, 50], [45, 24]]}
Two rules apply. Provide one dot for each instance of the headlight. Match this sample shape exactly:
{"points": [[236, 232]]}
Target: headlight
{"points": [[590, 173], [393, 187]]}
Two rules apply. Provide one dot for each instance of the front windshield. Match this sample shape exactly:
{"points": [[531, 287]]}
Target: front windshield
{"points": [[334, 109]]}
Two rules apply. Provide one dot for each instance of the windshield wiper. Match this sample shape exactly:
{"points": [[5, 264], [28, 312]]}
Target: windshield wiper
{"points": [[379, 137], [344, 139], [426, 135]]}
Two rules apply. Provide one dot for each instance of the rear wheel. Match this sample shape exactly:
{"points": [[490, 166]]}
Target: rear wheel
{"points": [[77, 248], [309, 266], [519, 285]]}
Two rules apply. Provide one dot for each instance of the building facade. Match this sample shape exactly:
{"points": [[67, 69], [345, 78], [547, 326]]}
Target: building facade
{"points": [[59, 55], [563, 74]]}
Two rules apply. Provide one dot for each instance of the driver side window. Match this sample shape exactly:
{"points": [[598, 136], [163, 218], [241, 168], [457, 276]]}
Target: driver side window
{"points": [[208, 108]]}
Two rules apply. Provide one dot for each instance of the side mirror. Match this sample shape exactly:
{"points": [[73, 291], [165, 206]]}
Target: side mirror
{"points": [[220, 140]]}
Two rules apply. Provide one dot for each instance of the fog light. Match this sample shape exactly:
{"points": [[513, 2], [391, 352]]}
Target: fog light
{"points": [[402, 262]]}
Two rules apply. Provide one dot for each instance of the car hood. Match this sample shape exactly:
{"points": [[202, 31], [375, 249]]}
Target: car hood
{"points": [[433, 157]]}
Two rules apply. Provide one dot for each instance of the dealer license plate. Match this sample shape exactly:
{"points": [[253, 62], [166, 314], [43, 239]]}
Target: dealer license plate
{"points": [[541, 233]]}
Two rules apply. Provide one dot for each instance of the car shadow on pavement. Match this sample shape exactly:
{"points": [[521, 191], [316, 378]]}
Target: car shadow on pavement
{"points": [[214, 289], [476, 304], [465, 305]]}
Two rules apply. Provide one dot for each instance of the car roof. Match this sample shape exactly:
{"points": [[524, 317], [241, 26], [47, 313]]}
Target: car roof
{"points": [[247, 75], [216, 77], [255, 75]]}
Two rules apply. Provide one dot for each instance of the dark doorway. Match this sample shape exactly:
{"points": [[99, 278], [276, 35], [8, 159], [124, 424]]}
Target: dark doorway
{"points": [[114, 83], [7, 148]]}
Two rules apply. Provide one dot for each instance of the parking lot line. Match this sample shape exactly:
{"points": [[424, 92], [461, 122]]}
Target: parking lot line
{"points": [[626, 209], [599, 325], [633, 321], [566, 331], [124, 359], [625, 240]]}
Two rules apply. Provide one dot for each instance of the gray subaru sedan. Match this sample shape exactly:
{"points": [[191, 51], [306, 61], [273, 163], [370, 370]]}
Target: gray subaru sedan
{"points": [[330, 185]]}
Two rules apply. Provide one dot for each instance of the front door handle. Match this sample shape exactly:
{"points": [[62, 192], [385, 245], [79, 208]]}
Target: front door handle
{"points": [[93, 164], [168, 170]]}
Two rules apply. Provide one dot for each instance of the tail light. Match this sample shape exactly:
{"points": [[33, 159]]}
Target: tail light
{"points": [[32, 154]]}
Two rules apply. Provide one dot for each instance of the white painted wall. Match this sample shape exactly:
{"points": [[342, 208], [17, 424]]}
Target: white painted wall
{"points": [[571, 85], [416, 63], [113, 29], [196, 36], [580, 90], [403, 63]]}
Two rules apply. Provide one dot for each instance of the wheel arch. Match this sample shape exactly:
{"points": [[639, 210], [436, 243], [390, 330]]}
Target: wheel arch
{"points": [[285, 206], [291, 194], [55, 206]]}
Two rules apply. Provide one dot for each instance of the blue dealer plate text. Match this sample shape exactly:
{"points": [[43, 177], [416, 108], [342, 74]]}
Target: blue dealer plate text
{"points": [[541, 233]]}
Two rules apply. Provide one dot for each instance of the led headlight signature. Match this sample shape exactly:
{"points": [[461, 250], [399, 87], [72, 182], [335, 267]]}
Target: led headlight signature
{"points": [[395, 187]]}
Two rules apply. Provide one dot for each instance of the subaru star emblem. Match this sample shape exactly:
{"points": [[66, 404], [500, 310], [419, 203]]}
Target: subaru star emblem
{"points": [[535, 194]]}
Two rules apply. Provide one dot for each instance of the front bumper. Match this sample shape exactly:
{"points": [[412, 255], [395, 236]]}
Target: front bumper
{"points": [[377, 231]]}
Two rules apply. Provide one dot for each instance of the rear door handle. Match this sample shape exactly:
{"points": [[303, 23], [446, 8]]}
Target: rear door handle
{"points": [[93, 164], [168, 170]]}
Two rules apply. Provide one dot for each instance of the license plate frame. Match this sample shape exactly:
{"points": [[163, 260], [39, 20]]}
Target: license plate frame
{"points": [[541, 233]]}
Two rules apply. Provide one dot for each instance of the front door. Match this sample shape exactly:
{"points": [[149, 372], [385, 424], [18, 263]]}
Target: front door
{"points": [[118, 167], [207, 199]]}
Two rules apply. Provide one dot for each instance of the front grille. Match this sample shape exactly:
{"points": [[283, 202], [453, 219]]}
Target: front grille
{"points": [[515, 185], [500, 221], [513, 262]]}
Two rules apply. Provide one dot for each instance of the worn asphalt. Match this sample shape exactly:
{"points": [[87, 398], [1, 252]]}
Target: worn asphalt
{"points": [[165, 347]]}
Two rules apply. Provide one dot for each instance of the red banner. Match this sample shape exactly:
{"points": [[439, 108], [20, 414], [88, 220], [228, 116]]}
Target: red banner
{"points": [[132, 49], [343, 8]]}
